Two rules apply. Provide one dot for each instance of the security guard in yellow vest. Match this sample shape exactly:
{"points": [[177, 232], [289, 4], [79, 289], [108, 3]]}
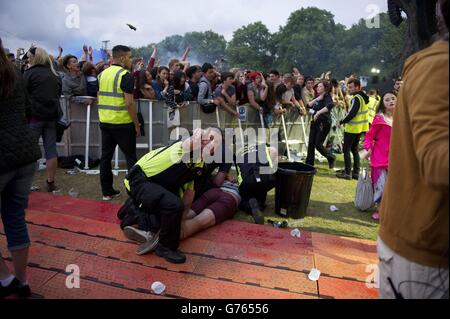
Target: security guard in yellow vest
{"points": [[374, 100], [256, 177], [356, 125], [157, 183], [117, 114]]}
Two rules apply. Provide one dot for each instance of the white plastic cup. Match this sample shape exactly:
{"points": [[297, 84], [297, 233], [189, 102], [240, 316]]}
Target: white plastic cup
{"points": [[296, 233], [333, 208], [74, 193], [158, 287], [314, 275]]}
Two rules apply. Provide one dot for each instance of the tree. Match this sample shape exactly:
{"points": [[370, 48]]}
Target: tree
{"points": [[310, 41], [206, 46], [143, 52], [251, 47], [360, 49], [307, 41], [170, 48]]}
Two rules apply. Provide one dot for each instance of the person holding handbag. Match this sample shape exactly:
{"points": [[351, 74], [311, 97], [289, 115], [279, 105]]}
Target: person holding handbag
{"points": [[377, 143]]}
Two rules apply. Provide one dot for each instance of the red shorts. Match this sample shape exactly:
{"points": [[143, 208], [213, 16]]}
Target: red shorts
{"points": [[221, 203]]}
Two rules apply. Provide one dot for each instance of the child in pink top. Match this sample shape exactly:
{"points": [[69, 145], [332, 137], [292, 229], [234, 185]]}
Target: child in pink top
{"points": [[377, 144]]}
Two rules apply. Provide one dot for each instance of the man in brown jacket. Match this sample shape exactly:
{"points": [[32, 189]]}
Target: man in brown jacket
{"points": [[414, 233]]}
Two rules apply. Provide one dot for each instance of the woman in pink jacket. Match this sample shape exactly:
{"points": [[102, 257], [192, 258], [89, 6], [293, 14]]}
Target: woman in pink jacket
{"points": [[377, 144]]}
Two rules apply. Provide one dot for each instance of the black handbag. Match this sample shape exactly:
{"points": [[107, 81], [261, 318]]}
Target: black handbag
{"points": [[141, 119], [208, 108]]}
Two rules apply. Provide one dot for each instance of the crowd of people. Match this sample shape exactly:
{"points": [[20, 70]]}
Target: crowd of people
{"points": [[322, 101], [173, 192]]}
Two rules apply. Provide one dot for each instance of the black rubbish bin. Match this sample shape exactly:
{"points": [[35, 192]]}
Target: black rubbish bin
{"points": [[293, 189]]}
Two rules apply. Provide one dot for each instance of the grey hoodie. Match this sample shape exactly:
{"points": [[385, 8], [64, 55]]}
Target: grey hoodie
{"points": [[205, 93], [73, 85]]}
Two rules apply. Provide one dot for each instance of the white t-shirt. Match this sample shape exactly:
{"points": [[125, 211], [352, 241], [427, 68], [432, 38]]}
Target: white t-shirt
{"points": [[288, 95]]}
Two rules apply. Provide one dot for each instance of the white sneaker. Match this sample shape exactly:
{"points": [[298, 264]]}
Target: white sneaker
{"points": [[149, 246], [111, 197], [137, 235]]}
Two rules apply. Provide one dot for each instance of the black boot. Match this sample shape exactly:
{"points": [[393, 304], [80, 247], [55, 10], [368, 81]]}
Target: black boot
{"points": [[130, 219], [125, 209], [256, 211], [15, 288], [331, 162], [172, 256], [344, 175]]}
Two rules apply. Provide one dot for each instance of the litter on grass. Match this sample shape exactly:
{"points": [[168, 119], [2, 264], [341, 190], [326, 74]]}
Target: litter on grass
{"points": [[333, 208]]}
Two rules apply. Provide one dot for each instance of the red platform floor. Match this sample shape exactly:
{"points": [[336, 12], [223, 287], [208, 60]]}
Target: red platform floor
{"points": [[234, 260]]}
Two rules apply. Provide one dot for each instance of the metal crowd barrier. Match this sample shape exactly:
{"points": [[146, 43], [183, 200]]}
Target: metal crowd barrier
{"points": [[84, 136]]}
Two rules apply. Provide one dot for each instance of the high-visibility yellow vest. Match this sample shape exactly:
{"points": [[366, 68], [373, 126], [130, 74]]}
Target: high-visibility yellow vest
{"points": [[112, 108], [157, 161], [349, 99], [360, 123], [373, 104]]}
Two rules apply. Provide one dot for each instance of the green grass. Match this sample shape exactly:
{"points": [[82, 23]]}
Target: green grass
{"points": [[327, 190]]}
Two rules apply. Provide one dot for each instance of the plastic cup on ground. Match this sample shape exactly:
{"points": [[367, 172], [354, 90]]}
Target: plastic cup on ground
{"points": [[158, 287], [333, 208], [296, 233], [74, 193], [314, 275]]}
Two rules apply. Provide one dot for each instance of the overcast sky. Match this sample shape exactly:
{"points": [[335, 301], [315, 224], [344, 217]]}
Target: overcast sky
{"points": [[23, 22]]}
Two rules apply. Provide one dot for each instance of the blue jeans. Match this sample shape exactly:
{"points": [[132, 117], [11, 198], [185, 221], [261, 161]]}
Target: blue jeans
{"points": [[14, 190]]}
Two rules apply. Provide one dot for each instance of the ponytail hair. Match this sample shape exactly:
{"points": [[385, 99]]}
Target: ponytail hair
{"points": [[41, 57]]}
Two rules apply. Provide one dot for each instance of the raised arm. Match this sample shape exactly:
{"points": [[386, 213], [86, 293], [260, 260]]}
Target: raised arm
{"points": [[60, 52], [85, 54], [186, 53], [265, 90], [151, 62], [91, 53]]}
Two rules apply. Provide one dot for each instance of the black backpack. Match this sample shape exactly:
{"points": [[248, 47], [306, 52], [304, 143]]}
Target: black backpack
{"points": [[70, 162], [129, 215]]}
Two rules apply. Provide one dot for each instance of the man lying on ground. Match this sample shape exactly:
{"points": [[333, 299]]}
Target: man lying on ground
{"points": [[212, 208]]}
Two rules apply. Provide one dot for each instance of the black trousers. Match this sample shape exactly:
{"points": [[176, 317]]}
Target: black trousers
{"points": [[250, 188], [351, 144], [317, 135], [157, 200], [126, 139]]}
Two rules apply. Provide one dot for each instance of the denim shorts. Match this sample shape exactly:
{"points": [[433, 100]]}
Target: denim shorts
{"points": [[48, 132], [14, 190]]}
